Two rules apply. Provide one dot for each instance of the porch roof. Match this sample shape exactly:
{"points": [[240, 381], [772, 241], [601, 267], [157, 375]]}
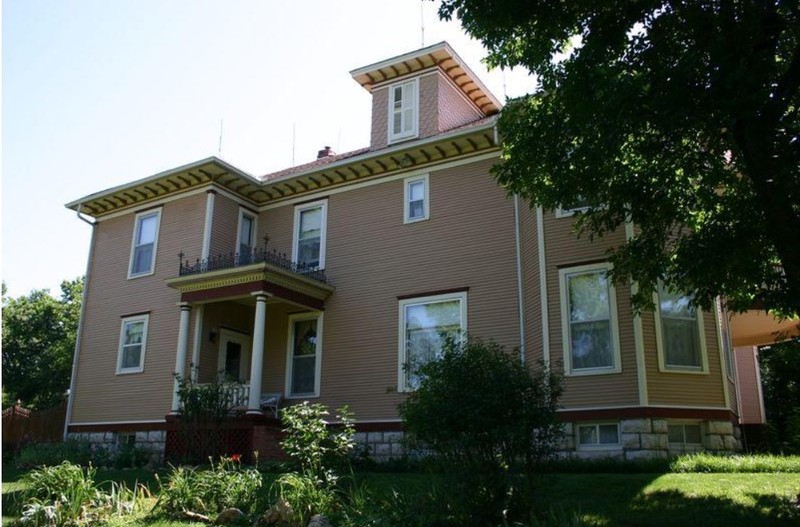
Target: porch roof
{"points": [[243, 280]]}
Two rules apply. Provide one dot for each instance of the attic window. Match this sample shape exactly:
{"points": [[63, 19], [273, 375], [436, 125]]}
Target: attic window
{"points": [[403, 110]]}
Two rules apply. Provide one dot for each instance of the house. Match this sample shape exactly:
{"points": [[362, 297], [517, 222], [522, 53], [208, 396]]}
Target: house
{"points": [[321, 281]]}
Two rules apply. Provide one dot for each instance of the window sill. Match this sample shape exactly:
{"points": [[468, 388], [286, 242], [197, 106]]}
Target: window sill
{"points": [[141, 275], [407, 221], [401, 138], [614, 446], [130, 371], [302, 396], [667, 369], [568, 213], [592, 372]]}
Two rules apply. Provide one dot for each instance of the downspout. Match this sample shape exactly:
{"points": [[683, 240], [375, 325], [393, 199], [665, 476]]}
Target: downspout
{"points": [[79, 333], [521, 304]]}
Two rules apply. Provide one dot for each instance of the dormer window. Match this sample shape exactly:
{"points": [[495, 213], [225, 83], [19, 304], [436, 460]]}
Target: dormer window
{"points": [[403, 110]]}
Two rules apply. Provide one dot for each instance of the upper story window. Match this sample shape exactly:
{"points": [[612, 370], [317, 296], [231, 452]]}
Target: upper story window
{"points": [[679, 330], [579, 205], [416, 199], [589, 320], [145, 242], [308, 247], [425, 323], [246, 237], [305, 354], [403, 110], [132, 343]]}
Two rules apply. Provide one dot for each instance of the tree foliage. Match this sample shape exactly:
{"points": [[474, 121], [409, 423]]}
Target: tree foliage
{"points": [[683, 116], [780, 378], [39, 334]]}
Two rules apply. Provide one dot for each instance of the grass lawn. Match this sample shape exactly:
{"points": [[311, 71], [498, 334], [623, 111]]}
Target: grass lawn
{"points": [[707, 500]]}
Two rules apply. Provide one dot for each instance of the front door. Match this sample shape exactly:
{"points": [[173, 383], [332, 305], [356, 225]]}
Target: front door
{"points": [[234, 356]]}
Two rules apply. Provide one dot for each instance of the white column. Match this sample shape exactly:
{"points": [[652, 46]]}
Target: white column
{"points": [[257, 361], [180, 356]]}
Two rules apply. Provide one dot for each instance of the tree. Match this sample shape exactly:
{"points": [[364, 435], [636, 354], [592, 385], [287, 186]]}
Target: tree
{"points": [[39, 334], [683, 116], [780, 379]]}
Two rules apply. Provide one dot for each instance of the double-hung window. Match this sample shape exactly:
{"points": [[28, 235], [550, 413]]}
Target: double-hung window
{"points": [[145, 242], [246, 238], [308, 247], [132, 344], [598, 435], [589, 320], [304, 355], [425, 324], [403, 110], [416, 199], [679, 330]]}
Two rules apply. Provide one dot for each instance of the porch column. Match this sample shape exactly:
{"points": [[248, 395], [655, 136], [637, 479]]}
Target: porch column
{"points": [[180, 356], [257, 361]]}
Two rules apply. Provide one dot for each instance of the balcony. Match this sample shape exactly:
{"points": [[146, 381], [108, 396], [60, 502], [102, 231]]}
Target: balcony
{"points": [[256, 256]]}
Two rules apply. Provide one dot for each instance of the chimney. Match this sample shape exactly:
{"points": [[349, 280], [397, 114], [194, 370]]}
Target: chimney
{"points": [[325, 152]]}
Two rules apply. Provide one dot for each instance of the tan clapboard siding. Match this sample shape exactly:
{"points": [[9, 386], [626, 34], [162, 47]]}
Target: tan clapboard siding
{"points": [[100, 394], [224, 226], [453, 108], [684, 389], [372, 257], [530, 284], [733, 397], [563, 249]]}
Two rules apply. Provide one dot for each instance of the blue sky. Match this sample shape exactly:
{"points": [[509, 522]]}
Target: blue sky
{"points": [[99, 93]]}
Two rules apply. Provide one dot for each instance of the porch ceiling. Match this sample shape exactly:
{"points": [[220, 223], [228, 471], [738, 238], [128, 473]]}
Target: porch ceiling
{"points": [[243, 280], [757, 328]]}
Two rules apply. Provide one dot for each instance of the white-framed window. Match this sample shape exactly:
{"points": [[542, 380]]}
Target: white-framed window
{"points": [[416, 199], [580, 205], [684, 434], [425, 323], [132, 344], [589, 320], [145, 243], [246, 235], [598, 435], [308, 245], [403, 110], [679, 333], [304, 355]]}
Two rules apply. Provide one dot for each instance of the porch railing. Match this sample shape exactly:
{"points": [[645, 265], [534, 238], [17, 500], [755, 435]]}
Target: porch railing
{"points": [[236, 395], [256, 255]]}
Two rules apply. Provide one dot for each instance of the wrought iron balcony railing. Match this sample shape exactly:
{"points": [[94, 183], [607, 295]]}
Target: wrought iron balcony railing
{"points": [[257, 255]]}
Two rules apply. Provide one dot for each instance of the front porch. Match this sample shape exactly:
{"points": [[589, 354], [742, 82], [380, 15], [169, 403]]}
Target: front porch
{"points": [[255, 319]]}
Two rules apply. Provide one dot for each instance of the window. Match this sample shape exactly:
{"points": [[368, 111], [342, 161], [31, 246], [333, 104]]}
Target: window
{"points": [[403, 103], [679, 327], [580, 205], [132, 344], [246, 238], [304, 355], [684, 434], [145, 241], [425, 323], [309, 234], [589, 320], [416, 199], [598, 435]]}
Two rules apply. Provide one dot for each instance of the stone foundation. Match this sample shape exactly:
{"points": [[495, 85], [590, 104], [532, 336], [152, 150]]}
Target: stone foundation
{"points": [[380, 446], [153, 441]]}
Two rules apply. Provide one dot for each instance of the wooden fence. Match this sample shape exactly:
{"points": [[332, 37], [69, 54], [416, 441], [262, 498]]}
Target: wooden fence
{"points": [[22, 425]]}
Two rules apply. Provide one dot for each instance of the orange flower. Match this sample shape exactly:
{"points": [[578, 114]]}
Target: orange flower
{"points": [[236, 457]]}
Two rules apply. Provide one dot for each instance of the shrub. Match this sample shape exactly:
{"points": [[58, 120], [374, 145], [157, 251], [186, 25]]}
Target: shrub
{"points": [[209, 490], [48, 454], [704, 462], [491, 420], [318, 448], [305, 495], [58, 495]]}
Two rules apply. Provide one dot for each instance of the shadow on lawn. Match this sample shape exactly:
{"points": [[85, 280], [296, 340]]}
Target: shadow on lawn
{"points": [[671, 507]]}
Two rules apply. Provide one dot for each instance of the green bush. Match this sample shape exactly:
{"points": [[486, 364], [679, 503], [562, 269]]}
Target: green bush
{"points": [[306, 496], [491, 420], [209, 490], [704, 462], [318, 448], [48, 454]]}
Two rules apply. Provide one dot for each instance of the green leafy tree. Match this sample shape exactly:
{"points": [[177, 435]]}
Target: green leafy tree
{"points": [[38, 343], [780, 378], [683, 116]]}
